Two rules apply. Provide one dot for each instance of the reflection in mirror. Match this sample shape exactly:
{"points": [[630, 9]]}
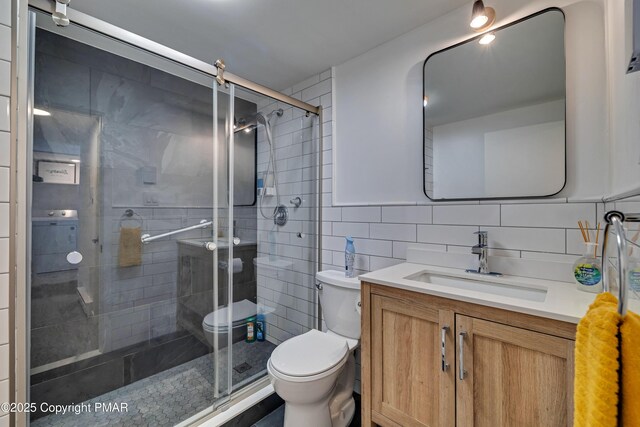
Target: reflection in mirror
{"points": [[494, 113]]}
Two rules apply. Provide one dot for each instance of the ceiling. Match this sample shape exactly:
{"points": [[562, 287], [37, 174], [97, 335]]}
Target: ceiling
{"points": [[277, 43]]}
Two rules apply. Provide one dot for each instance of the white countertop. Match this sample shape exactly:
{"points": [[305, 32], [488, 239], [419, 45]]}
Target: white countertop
{"points": [[563, 300]]}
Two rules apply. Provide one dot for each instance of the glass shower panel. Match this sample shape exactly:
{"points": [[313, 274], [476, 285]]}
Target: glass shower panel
{"points": [[126, 291], [277, 233]]}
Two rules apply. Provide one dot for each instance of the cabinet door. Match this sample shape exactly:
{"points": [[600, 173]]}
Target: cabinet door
{"points": [[512, 376], [411, 386]]}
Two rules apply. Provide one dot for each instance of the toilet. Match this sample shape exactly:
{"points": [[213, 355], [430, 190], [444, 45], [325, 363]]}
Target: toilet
{"points": [[314, 373], [215, 325]]}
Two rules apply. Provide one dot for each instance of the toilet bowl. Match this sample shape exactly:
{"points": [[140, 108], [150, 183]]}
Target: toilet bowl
{"points": [[314, 373]]}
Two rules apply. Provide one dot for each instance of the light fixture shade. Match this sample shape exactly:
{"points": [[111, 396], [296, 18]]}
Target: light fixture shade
{"points": [[478, 15], [481, 17]]}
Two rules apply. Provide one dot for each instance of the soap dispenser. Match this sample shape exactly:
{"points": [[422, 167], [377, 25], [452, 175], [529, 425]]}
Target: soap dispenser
{"points": [[587, 270]]}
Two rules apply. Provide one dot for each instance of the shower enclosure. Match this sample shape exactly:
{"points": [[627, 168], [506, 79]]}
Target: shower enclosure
{"points": [[174, 225]]}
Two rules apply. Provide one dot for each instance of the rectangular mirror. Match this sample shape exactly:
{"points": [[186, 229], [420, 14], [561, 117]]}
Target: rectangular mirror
{"points": [[494, 113]]}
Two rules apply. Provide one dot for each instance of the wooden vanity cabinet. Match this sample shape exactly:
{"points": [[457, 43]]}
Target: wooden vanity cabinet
{"points": [[429, 361]]}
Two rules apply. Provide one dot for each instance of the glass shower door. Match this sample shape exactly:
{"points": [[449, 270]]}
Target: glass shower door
{"points": [[124, 285], [265, 211]]}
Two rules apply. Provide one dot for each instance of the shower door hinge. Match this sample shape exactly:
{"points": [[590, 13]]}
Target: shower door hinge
{"points": [[59, 16], [220, 74]]}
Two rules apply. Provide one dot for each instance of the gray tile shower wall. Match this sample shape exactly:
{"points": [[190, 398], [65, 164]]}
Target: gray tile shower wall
{"points": [[153, 135]]}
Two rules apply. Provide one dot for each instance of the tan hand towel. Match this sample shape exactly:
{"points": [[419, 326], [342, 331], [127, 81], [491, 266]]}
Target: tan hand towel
{"points": [[130, 251]]}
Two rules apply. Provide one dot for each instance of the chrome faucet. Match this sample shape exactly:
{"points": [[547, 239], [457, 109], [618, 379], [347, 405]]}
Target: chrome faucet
{"points": [[482, 250]]}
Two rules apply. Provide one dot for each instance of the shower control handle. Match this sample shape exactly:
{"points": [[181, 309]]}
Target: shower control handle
{"points": [[296, 202]]}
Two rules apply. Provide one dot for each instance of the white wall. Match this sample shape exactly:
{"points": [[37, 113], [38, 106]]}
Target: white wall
{"points": [[542, 230], [624, 101], [378, 106], [5, 88]]}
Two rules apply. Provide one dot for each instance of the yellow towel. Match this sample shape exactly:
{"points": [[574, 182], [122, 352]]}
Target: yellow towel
{"points": [[630, 332], [596, 358], [130, 250]]}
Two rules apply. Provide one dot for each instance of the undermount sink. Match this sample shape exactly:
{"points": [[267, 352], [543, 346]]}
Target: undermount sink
{"points": [[480, 284]]}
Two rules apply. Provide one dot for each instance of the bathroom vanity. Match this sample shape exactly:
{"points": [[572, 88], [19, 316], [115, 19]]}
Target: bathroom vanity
{"points": [[441, 347]]}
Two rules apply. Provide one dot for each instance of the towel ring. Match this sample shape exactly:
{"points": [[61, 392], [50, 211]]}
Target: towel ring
{"points": [[615, 219], [131, 215]]}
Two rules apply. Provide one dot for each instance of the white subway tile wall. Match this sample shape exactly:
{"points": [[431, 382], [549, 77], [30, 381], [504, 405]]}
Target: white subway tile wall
{"points": [[5, 85], [541, 229], [286, 269], [536, 229]]}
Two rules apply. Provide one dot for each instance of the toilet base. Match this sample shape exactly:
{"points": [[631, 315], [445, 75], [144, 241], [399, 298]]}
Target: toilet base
{"points": [[336, 410], [314, 415], [343, 417], [318, 415]]}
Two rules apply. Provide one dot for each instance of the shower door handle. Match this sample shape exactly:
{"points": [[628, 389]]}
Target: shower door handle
{"points": [[210, 246]]}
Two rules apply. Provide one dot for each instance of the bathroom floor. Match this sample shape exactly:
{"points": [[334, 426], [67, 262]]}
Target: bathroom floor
{"points": [[59, 326], [171, 396]]}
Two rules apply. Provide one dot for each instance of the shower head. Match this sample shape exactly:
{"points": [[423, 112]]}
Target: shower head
{"points": [[258, 118], [264, 119]]}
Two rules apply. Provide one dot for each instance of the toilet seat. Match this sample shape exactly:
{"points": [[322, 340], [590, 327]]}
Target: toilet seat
{"points": [[312, 354]]}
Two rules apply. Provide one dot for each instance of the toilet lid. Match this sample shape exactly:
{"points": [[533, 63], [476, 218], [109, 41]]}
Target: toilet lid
{"points": [[241, 311], [309, 354]]}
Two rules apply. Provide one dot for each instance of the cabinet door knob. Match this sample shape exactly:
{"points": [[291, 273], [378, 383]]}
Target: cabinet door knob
{"points": [[462, 373], [445, 365]]}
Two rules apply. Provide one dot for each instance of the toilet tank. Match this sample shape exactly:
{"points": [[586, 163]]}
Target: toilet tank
{"points": [[340, 300]]}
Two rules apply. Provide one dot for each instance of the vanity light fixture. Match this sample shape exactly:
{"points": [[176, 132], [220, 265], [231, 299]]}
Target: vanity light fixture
{"points": [[482, 17], [39, 112], [487, 38]]}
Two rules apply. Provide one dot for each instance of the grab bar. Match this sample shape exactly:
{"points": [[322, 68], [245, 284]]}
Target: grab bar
{"points": [[146, 238]]}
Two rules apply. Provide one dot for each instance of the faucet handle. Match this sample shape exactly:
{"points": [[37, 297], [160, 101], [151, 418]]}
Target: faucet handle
{"points": [[482, 237]]}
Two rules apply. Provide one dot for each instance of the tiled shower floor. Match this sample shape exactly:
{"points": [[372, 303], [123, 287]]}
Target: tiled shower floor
{"points": [[171, 396]]}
